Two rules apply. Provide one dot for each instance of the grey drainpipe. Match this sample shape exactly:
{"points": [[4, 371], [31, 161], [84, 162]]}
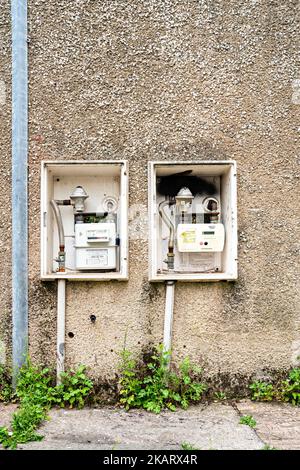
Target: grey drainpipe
{"points": [[19, 184]]}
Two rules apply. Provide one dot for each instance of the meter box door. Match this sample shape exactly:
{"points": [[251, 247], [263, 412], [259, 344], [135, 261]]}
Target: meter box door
{"points": [[92, 200], [192, 221]]}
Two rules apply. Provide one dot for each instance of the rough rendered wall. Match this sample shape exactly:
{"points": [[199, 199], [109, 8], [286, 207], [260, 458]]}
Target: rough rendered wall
{"points": [[5, 182], [174, 79]]}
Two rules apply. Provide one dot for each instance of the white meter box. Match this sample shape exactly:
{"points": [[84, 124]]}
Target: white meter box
{"points": [[192, 221], [84, 206]]}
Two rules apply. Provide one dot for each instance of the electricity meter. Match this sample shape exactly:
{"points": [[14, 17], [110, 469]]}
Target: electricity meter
{"points": [[200, 237]]}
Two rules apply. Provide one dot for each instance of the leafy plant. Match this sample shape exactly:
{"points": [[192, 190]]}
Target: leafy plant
{"points": [[188, 446], [5, 437], [74, 388], [220, 396], [190, 390], [262, 391], [155, 387], [288, 390], [6, 391], [130, 384], [25, 421], [35, 384], [155, 393], [291, 387], [248, 420], [268, 447], [37, 393]]}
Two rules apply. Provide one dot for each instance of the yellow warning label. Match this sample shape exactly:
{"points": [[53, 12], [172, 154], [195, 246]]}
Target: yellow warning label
{"points": [[189, 236]]}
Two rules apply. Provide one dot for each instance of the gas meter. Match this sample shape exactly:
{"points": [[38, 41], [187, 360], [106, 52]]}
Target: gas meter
{"points": [[95, 245]]}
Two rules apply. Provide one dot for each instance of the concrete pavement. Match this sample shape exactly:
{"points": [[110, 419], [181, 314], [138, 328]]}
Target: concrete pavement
{"points": [[213, 426]]}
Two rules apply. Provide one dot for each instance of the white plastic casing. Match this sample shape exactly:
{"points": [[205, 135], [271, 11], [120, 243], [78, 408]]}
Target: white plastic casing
{"points": [[95, 246], [87, 234], [102, 180], [205, 265], [200, 237]]}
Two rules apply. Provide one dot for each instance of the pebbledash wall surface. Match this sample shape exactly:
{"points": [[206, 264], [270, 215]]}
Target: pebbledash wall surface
{"points": [[147, 80]]}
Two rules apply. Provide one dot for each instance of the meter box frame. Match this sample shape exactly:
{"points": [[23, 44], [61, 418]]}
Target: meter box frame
{"points": [[225, 174], [102, 179]]}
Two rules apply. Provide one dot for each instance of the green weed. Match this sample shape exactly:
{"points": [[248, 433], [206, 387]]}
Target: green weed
{"points": [[288, 390], [291, 387], [248, 420], [157, 388], [6, 392], [262, 391], [221, 396], [268, 447], [188, 446], [37, 393]]}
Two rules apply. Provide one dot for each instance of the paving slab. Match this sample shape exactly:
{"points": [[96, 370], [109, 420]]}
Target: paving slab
{"points": [[215, 426], [278, 424]]}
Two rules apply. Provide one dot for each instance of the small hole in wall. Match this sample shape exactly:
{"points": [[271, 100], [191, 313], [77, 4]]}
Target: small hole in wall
{"points": [[111, 350], [139, 342], [57, 179], [70, 334], [184, 346]]}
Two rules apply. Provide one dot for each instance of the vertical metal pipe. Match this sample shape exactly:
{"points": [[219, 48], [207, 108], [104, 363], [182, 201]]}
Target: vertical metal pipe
{"points": [[61, 258], [169, 309], [59, 222], [61, 320], [19, 184], [170, 225]]}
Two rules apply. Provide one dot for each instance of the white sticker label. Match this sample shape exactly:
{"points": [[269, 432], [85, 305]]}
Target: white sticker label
{"points": [[97, 257]]}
